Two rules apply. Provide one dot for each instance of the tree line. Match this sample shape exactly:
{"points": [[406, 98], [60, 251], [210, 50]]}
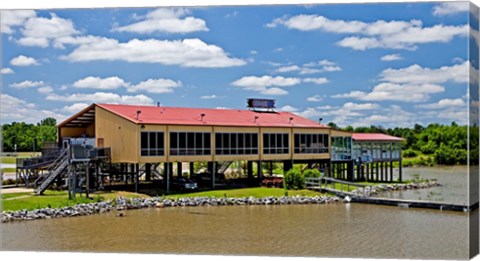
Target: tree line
{"points": [[21, 136], [446, 144]]}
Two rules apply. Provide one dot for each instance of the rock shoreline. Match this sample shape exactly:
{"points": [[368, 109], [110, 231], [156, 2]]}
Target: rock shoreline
{"points": [[160, 202]]}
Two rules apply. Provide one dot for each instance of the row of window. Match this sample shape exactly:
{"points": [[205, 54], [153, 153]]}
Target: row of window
{"points": [[311, 143], [199, 143], [377, 150], [236, 143]]}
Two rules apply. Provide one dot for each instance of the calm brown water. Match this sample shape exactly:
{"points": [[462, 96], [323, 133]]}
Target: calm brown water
{"points": [[336, 230], [454, 181]]}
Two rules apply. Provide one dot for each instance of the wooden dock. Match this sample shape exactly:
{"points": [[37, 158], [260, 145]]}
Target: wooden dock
{"points": [[408, 203], [327, 184]]}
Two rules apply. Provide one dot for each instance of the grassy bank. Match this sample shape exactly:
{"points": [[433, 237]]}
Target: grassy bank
{"points": [[247, 192], [58, 199], [55, 199]]}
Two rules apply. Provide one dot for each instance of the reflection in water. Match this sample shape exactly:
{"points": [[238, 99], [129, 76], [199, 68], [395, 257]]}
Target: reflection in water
{"points": [[336, 230]]}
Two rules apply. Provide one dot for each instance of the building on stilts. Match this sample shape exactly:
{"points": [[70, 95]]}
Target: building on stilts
{"points": [[107, 145]]}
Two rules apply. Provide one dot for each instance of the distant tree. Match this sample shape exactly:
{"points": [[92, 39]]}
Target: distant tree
{"points": [[48, 122], [333, 125], [28, 137]]}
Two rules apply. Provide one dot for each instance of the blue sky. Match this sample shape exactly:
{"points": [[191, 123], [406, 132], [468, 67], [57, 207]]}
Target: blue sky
{"points": [[352, 64]]}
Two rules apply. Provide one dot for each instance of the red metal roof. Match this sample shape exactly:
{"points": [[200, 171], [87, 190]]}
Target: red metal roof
{"points": [[212, 117], [374, 137]]}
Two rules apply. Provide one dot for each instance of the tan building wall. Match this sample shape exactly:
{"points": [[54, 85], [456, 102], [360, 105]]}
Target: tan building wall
{"points": [[121, 135]]}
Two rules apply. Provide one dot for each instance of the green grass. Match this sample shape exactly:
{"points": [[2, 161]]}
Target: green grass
{"points": [[55, 199], [246, 192], [9, 170], [13, 159], [9, 160], [14, 195]]}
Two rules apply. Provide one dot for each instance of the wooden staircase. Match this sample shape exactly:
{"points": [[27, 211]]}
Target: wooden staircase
{"points": [[57, 168]]}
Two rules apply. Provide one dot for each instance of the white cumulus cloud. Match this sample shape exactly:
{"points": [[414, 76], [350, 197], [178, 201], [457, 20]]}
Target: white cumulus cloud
{"points": [[108, 83], [45, 89], [445, 103], [288, 108], [6, 71], [27, 84], [310, 67], [102, 97], [391, 57], [266, 84], [15, 109], [451, 8], [319, 81], [14, 18], [169, 20], [23, 60], [416, 74], [315, 98], [155, 86], [412, 84], [185, 53], [74, 108], [208, 97], [39, 31], [378, 34]]}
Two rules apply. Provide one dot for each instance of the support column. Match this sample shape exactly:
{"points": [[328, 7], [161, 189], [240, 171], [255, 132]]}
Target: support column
{"points": [[249, 172], [350, 170], [382, 170], [69, 178], [148, 171], [124, 168], [179, 169], [166, 174], [259, 170], [400, 170], [191, 165], [287, 165], [137, 170], [97, 176], [212, 169], [376, 171], [87, 185]]}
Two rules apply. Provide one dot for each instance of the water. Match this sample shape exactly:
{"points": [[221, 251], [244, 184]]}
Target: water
{"points": [[453, 181], [335, 230]]}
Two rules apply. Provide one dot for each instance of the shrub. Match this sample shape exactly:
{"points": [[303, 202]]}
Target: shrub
{"points": [[409, 153], [293, 179], [311, 173]]}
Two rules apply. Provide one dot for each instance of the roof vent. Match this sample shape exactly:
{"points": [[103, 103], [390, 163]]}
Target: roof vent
{"points": [[320, 120], [138, 113], [202, 115], [255, 120], [290, 120]]}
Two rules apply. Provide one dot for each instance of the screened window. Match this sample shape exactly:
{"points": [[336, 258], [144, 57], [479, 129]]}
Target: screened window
{"points": [[190, 143], [275, 143], [236, 143], [152, 144], [341, 148], [306, 143]]}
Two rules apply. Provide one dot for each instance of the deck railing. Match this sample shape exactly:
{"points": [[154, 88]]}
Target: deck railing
{"points": [[331, 185]]}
